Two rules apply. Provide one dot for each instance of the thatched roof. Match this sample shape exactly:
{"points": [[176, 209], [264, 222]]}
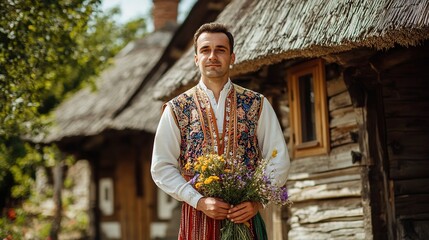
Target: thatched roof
{"points": [[270, 31], [123, 99], [88, 112]]}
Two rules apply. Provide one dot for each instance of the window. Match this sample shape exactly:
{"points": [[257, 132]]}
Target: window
{"points": [[309, 112]]}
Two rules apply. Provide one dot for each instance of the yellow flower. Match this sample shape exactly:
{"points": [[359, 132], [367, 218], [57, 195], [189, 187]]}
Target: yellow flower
{"points": [[198, 185], [227, 170], [211, 179], [203, 168], [274, 154], [188, 165]]}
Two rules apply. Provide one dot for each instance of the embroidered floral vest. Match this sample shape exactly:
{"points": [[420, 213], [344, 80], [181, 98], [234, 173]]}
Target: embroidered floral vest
{"points": [[198, 128]]}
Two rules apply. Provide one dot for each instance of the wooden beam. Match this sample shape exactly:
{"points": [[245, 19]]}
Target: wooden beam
{"points": [[384, 61]]}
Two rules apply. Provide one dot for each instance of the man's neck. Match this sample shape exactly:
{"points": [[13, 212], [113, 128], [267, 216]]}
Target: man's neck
{"points": [[215, 85]]}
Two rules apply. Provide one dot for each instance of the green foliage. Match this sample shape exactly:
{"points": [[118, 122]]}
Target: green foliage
{"points": [[45, 231], [36, 37], [67, 201], [40, 44], [68, 183], [48, 50]]}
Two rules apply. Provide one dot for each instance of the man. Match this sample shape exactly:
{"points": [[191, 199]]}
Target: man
{"points": [[215, 116]]}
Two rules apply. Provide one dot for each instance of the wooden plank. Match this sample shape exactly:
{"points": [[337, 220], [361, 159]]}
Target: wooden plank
{"points": [[124, 190], [338, 158], [330, 190], [332, 179], [327, 210], [409, 169], [408, 145], [149, 192], [408, 205], [403, 81], [405, 94], [324, 175], [406, 109], [408, 124], [328, 230], [339, 101], [420, 138], [412, 68], [412, 186]]}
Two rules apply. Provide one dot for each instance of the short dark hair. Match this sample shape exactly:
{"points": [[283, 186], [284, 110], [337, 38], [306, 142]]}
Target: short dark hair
{"points": [[214, 28]]}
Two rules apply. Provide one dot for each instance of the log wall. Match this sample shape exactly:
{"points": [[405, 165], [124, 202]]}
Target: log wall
{"points": [[327, 189]]}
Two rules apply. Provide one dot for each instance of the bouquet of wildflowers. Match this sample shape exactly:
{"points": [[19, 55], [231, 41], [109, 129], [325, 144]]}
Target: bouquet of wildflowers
{"points": [[233, 182]]}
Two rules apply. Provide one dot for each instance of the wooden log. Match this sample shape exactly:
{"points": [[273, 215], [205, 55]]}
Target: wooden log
{"points": [[393, 58], [340, 177], [328, 210], [324, 175], [408, 169], [335, 86], [338, 113], [338, 158], [343, 117], [328, 230], [399, 82], [408, 145], [325, 191], [409, 205], [412, 68], [339, 101], [412, 186], [405, 94], [408, 124], [339, 131], [406, 109], [344, 138]]}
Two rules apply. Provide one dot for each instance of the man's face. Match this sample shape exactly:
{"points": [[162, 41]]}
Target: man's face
{"points": [[213, 55]]}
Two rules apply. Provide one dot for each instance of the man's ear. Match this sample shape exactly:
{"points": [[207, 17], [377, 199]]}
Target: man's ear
{"points": [[232, 58], [196, 60]]}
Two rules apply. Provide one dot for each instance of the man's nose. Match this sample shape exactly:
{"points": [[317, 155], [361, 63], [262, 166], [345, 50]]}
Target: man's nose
{"points": [[212, 55]]}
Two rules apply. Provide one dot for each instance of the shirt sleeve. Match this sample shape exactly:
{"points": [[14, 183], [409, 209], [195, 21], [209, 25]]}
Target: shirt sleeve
{"points": [[270, 137], [165, 168]]}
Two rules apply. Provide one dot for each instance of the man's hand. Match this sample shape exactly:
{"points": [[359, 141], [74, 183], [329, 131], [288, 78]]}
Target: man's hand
{"points": [[244, 211], [213, 207]]}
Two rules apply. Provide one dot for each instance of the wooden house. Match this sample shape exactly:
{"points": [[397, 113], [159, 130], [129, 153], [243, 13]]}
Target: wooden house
{"points": [[350, 83], [113, 126]]}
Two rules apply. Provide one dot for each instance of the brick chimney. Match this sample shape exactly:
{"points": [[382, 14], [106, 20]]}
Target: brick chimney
{"points": [[164, 11]]}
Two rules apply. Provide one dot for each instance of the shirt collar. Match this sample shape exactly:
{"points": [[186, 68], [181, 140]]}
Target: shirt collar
{"points": [[225, 88]]}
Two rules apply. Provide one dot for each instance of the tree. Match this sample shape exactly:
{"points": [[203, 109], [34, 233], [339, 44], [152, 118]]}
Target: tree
{"points": [[48, 50]]}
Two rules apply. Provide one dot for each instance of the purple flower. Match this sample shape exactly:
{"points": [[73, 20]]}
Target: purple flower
{"points": [[194, 179]]}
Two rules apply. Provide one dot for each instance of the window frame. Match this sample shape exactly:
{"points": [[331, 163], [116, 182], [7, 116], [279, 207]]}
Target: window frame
{"points": [[322, 143]]}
